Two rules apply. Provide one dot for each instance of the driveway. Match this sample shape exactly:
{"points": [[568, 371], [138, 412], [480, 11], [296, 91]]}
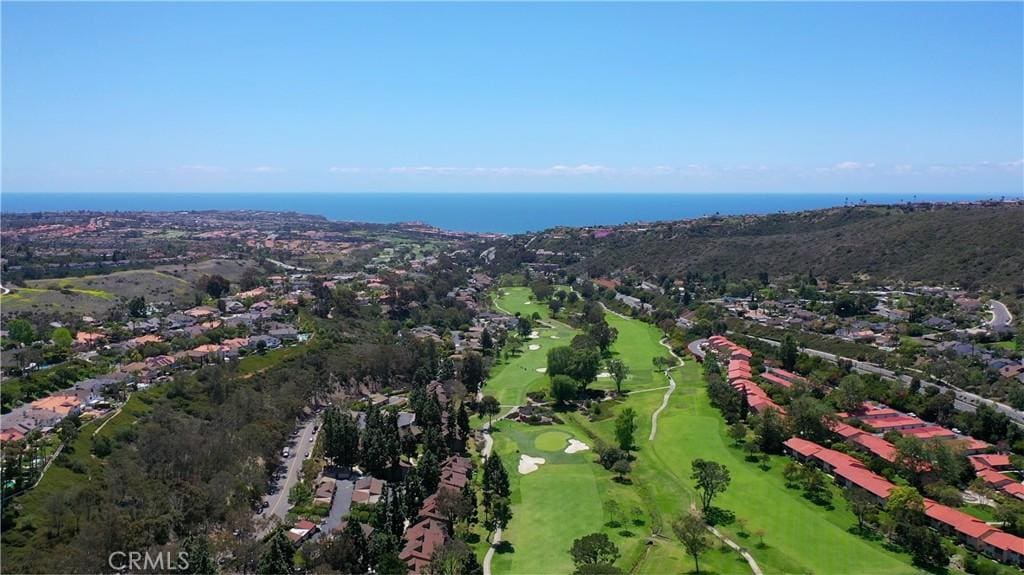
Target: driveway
{"points": [[340, 506]]}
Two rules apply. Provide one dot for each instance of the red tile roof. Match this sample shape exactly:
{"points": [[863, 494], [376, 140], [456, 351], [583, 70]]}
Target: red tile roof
{"points": [[1005, 541], [958, 520], [802, 446], [846, 431], [876, 445], [928, 432], [994, 460], [772, 378]]}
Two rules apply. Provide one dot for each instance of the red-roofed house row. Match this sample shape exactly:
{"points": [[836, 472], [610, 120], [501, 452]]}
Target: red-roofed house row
{"points": [[972, 532]]}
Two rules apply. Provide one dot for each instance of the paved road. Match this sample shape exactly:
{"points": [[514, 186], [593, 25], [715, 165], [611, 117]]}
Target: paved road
{"points": [[694, 348], [278, 502], [1001, 318], [965, 400]]}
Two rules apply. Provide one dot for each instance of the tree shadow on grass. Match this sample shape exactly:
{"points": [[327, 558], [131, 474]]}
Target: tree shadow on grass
{"points": [[504, 547], [627, 533], [719, 516], [866, 533]]}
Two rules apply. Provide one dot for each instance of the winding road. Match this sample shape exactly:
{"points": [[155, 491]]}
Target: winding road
{"points": [[1001, 317]]}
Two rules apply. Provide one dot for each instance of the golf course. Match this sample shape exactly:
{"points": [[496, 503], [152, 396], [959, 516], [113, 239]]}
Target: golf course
{"points": [[569, 495]]}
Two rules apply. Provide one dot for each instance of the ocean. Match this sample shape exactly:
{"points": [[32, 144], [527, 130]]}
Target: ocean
{"points": [[485, 212]]}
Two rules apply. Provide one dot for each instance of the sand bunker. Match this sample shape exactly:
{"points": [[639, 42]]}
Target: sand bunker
{"points": [[542, 370], [604, 374], [576, 445], [529, 464], [534, 347], [554, 337], [534, 335]]}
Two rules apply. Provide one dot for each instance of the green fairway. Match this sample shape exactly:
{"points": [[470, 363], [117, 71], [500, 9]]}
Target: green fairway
{"points": [[515, 376], [565, 497], [800, 536]]}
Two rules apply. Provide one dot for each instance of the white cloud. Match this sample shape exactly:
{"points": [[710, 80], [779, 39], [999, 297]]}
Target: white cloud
{"points": [[692, 170], [266, 170], [202, 169]]}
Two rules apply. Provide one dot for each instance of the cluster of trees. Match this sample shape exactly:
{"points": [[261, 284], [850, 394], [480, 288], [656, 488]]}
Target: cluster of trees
{"points": [[496, 493], [578, 362], [812, 480], [216, 285]]}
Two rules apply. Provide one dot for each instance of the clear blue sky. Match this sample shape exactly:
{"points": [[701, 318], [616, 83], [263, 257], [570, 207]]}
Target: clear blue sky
{"points": [[686, 97]]}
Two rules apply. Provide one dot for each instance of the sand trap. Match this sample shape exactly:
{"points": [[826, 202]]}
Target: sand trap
{"points": [[542, 370], [554, 337], [576, 445], [534, 335], [529, 464], [527, 302], [604, 374], [534, 347]]}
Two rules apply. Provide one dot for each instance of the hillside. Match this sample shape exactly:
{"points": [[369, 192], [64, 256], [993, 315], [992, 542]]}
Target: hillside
{"points": [[974, 245]]}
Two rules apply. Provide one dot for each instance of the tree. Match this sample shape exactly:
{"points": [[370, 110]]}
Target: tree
{"points": [[137, 306], [462, 420], [279, 555], [602, 334], [850, 394], [711, 479], [486, 341], [559, 361], [905, 505], [563, 388], [619, 372], [770, 431], [490, 407], [472, 371], [453, 558], [788, 352], [216, 285], [500, 514], [809, 418], [593, 549], [200, 561], [625, 427], [621, 469], [21, 331], [341, 438], [361, 548], [692, 533], [62, 338], [863, 506], [738, 432]]}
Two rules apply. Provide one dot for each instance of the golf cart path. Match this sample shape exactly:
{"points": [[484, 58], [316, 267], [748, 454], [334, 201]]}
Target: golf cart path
{"points": [[668, 394], [485, 453]]}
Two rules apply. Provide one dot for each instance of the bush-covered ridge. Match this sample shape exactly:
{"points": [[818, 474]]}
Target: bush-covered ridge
{"points": [[973, 245]]}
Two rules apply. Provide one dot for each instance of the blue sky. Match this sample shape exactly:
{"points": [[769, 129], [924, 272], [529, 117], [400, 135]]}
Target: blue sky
{"points": [[843, 97]]}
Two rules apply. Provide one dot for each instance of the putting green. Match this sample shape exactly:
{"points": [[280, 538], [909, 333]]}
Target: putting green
{"points": [[552, 441]]}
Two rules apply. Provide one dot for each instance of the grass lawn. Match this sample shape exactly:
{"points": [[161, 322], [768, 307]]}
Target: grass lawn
{"points": [[254, 363]]}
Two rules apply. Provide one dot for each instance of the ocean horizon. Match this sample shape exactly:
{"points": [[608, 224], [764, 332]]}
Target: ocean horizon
{"points": [[484, 212]]}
